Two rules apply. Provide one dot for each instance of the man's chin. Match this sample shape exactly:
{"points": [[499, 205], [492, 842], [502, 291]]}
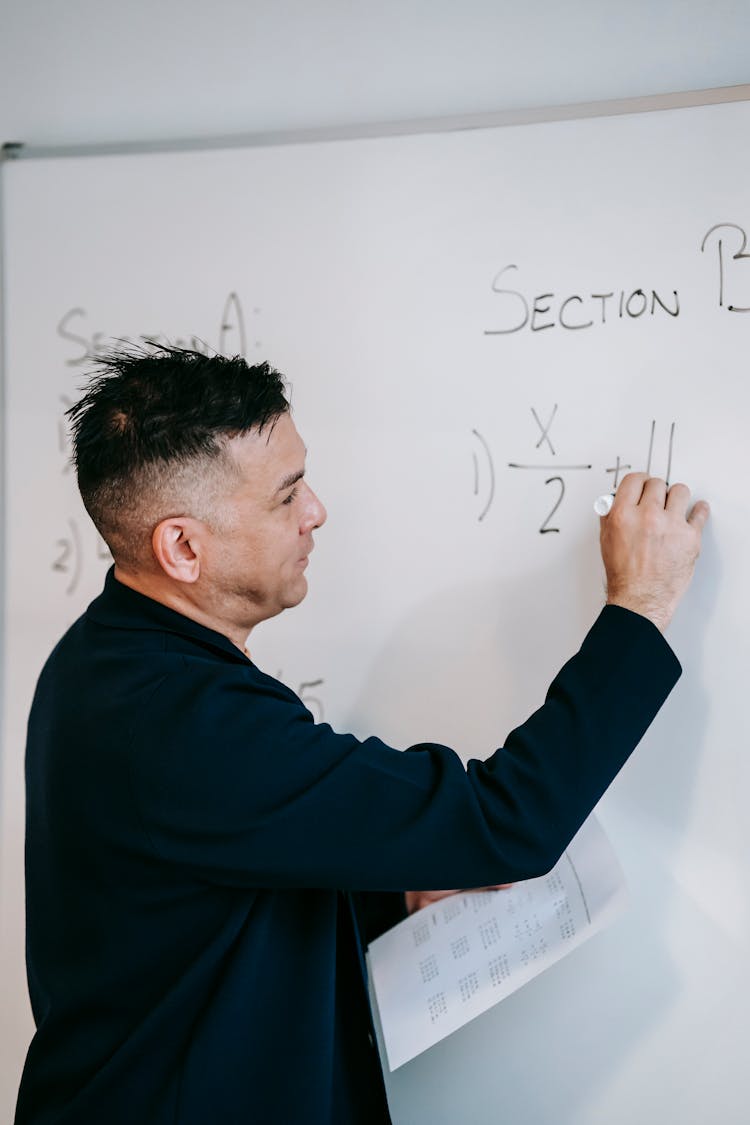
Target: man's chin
{"points": [[297, 594]]}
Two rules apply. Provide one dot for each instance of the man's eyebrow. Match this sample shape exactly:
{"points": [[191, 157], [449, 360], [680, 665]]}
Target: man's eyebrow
{"points": [[291, 479]]}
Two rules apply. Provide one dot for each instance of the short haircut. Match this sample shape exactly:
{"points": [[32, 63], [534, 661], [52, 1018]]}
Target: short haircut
{"points": [[150, 437]]}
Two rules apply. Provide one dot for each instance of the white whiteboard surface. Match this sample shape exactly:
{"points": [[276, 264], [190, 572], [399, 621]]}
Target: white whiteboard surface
{"points": [[369, 271]]}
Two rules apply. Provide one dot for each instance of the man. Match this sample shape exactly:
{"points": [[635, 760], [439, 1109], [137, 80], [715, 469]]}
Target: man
{"points": [[205, 863]]}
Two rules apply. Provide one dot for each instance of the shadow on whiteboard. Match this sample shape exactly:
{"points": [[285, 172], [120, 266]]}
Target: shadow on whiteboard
{"points": [[549, 1052], [658, 786], [469, 663], [463, 668]]}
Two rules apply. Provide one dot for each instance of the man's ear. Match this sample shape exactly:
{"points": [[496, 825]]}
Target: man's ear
{"points": [[177, 544]]}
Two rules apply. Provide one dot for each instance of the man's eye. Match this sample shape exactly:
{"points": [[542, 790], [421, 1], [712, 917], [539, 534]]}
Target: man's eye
{"points": [[290, 497]]}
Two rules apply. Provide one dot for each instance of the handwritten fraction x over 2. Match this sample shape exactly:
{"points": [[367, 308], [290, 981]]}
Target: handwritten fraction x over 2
{"points": [[484, 467]]}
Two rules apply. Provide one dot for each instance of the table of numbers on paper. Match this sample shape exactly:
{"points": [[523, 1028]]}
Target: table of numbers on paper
{"points": [[454, 959]]}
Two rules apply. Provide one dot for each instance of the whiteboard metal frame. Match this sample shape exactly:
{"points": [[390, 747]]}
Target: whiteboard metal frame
{"points": [[3, 473], [616, 107]]}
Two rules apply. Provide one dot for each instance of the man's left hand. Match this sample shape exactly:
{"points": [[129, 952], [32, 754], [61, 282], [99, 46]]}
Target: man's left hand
{"points": [[415, 900]]}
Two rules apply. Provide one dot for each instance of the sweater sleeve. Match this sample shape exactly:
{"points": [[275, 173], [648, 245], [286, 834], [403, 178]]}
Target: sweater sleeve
{"points": [[236, 782]]}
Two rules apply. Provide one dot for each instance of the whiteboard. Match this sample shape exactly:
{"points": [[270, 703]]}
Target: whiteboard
{"points": [[483, 328]]}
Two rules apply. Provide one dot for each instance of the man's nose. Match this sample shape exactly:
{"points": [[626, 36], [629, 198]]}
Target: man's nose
{"points": [[315, 513]]}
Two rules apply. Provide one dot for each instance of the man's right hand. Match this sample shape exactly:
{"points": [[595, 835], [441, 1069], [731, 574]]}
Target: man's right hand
{"points": [[650, 542]]}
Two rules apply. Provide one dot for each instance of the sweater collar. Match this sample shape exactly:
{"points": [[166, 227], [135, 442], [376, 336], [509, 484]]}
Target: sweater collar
{"points": [[121, 607]]}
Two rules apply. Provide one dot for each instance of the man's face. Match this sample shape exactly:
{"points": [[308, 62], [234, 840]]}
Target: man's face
{"points": [[256, 564]]}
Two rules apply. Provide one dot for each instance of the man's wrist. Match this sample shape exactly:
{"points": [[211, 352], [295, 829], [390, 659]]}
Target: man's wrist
{"points": [[656, 614]]}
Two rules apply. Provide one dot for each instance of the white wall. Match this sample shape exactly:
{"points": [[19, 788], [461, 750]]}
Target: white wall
{"points": [[93, 70]]}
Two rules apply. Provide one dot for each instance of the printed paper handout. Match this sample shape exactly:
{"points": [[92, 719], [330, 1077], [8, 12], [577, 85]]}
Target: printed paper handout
{"points": [[454, 959]]}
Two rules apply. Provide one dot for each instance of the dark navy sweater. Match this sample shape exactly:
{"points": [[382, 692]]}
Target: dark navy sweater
{"points": [[202, 857]]}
